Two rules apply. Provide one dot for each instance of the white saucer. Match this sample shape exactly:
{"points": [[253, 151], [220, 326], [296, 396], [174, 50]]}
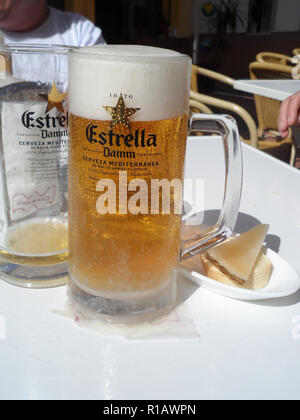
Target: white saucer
{"points": [[284, 281]]}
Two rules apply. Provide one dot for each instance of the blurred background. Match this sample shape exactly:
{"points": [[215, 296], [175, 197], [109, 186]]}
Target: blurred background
{"points": [[221, 35], [225, 42]]}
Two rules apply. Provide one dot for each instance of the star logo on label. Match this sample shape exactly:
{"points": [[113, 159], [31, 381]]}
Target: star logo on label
{"points": [[120, 114], [54, 99]]}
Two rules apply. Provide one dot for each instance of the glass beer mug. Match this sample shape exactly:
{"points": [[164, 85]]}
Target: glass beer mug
{"points": [[129, 118], [33, 165]]}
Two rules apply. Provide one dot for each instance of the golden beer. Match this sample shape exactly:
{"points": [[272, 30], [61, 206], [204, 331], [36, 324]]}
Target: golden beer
{"points": [[37, 244], [123, 253], [128, 118]]}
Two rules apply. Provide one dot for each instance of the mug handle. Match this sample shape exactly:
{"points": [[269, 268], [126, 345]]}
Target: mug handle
{"points": [[227, 128]]}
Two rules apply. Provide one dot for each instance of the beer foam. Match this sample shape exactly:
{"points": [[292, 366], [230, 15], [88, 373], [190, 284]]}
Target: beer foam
{"points": [[153, 79]]}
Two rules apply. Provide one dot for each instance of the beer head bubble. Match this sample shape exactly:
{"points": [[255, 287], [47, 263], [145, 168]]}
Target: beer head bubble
{"points": [[153, 79]]}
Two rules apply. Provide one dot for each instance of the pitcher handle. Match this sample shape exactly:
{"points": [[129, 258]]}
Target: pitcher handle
{"points": [[227, 128]]}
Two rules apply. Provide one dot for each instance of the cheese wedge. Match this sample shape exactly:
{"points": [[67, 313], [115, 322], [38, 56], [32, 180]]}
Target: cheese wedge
{"points": [[258, 279], [239, 254]]}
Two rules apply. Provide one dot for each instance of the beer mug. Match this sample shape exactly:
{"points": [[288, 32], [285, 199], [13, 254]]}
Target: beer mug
{"points": [[129, 117], [33, 165]]}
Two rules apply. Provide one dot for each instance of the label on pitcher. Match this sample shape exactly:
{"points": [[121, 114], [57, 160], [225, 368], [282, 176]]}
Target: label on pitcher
{"points": [[35, 151]]}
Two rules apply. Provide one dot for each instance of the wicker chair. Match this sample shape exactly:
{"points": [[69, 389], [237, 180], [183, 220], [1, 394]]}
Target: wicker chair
{"points": [[275, 58], [273, 143], [199, 101], [267, 110], [5, 64]]}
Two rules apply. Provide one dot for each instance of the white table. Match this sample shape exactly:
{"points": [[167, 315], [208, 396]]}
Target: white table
{"points": [[275, 89], [246, 350]]}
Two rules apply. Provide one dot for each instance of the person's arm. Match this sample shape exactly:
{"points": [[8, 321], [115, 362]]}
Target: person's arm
{"points": [[289, 114]]}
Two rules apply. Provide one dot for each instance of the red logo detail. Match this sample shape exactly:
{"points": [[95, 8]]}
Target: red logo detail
{"points": [[35, 201]]}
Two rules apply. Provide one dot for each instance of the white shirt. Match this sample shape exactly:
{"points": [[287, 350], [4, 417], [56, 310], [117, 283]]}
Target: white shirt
{"points": [[61, 28]]}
